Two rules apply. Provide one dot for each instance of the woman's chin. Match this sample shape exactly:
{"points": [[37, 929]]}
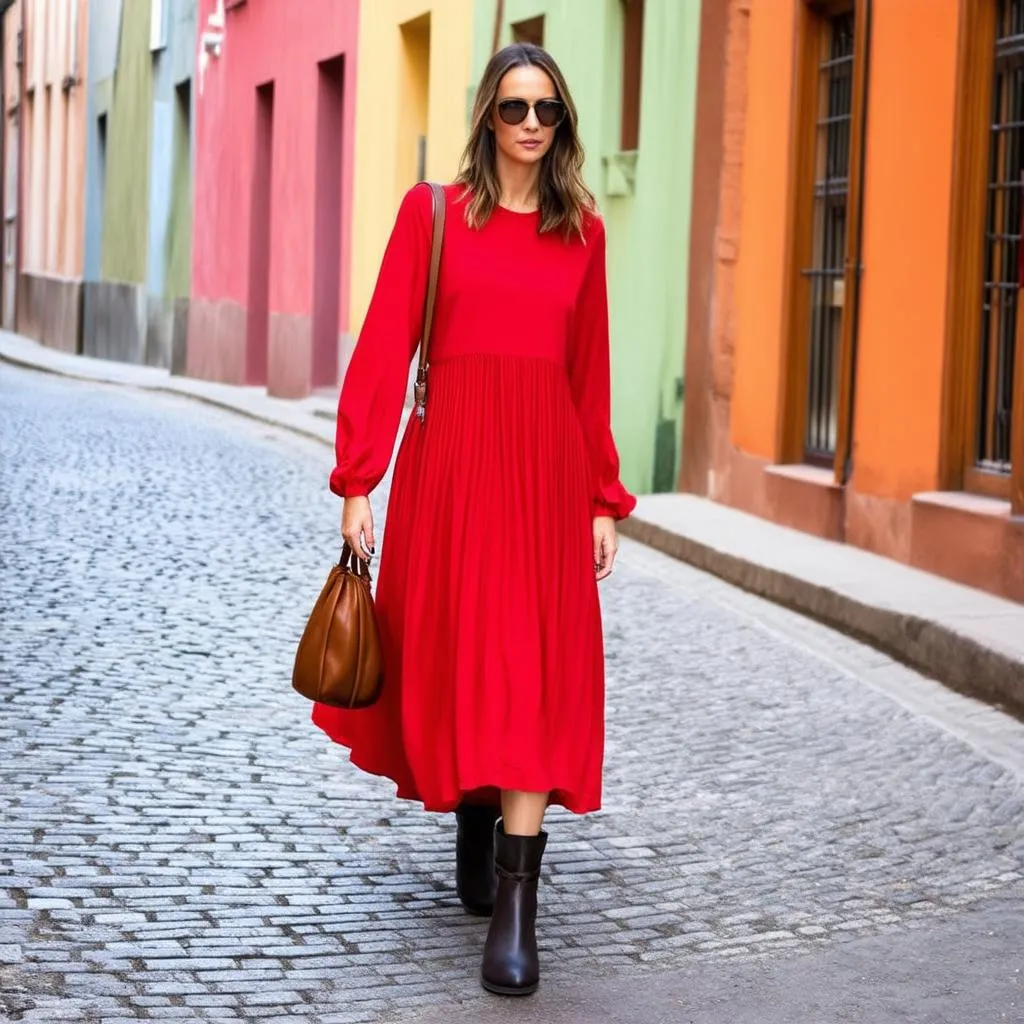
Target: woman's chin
{"points": [[526, 157]]}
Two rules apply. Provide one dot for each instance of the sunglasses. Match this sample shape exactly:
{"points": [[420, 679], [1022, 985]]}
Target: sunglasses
{"points": [[549, 112]]}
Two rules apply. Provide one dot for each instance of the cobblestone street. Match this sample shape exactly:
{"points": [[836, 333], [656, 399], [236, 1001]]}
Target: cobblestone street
{"points": [[178, 842]]}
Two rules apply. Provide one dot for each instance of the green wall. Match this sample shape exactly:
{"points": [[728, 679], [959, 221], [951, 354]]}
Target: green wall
{"points": [[126, 210], [179, 235], [649, 229]]}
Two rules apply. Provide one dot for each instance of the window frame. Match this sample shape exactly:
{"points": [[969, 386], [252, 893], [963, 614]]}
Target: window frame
{"points": [[813, 18], [966, 268]]}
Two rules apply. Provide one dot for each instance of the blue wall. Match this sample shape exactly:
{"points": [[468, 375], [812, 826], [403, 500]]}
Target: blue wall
{"points": [[172, 65], [104, 41]]}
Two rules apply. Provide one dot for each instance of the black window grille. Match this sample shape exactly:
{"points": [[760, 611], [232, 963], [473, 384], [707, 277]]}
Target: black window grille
{"points": [[1002, 244], [831, 192]]}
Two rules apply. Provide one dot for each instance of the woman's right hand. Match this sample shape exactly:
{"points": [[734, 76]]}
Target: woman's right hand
{"points": [[357, 526]]}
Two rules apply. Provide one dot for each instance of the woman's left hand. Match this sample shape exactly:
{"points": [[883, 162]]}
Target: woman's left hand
{"points": [[606, 546]]}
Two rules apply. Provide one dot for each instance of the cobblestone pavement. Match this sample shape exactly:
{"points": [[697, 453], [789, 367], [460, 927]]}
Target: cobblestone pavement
{"points": [[177, 842]]}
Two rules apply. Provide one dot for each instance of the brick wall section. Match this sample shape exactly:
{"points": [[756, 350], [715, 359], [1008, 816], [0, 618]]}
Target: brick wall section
{"points": [[727, 241], [711, 320]]}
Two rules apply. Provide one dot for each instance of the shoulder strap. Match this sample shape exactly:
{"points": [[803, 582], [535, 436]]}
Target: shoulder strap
{"points": [[438, 198]]}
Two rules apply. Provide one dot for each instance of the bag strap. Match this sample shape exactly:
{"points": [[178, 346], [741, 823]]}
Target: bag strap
{"points": [[420, 389]]}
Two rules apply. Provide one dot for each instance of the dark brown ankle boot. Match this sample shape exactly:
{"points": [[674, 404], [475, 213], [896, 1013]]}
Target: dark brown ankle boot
{"points": [[511, 966], [475, 879]]}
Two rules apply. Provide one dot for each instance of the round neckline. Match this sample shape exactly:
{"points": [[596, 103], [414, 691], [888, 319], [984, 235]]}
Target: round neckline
{"points": [[519, 213]]}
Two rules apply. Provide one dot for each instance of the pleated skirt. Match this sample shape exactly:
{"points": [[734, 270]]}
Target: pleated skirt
{"points": [[486, 598]]}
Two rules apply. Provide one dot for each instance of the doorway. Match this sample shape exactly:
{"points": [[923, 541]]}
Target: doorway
{"points": [[257, 341], [327, 232], [414, 109], [10, 286]]}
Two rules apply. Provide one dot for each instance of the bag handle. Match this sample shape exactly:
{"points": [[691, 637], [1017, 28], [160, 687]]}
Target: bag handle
{"points": [[420, 388], [351, 562]]}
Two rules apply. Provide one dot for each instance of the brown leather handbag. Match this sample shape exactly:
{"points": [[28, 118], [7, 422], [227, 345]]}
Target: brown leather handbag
{"points": [[339, 660]]}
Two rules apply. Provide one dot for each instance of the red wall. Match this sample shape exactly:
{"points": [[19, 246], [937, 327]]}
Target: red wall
{"points": [[283, 43]]}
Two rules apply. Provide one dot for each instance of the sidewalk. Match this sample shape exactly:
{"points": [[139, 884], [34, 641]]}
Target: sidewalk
{"points": [[965, 638]]}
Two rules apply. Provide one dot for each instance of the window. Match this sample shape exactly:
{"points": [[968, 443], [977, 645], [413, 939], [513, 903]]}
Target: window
{"points": [[1002, 246], [529, 31], [632, 72], [825, 239], [983, 436], [828, 246]]}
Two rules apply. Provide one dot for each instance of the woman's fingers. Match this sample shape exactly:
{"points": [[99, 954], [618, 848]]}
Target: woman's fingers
{"points": [[605, 547], [366, 530], [610, 554], [357, 526]]}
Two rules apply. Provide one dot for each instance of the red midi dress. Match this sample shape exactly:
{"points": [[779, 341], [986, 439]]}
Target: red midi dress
{"points": [[486, 593]]}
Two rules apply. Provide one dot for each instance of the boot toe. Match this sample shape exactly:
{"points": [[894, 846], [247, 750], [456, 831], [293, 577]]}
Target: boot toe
{"points": [[501, 989]]}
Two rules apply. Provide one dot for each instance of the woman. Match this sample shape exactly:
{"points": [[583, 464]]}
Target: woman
{"points": [[503, 505]]}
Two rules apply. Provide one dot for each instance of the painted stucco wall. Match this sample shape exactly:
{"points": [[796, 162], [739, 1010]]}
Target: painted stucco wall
{"points": [[129, 135], [288, 45], [55, 34], [53, 172], [761, 272], [392, 108], [178, 242], [170, 185], [905, 248], [648, 230]]}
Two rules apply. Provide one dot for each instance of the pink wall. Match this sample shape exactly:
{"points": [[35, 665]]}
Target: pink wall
{"points": [[283, 43]]}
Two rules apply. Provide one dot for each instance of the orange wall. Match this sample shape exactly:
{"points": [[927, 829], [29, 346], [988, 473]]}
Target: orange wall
{"points": [[760, 270], [906, 232]]}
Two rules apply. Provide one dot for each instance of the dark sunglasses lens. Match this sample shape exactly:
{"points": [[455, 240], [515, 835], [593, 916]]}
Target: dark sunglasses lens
{"points": [[513, 111], [549, 112]]}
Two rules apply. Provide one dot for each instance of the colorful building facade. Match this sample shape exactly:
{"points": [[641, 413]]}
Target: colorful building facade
{"points": [[411, 119], [138, 218], [272, 214], [855, 364], [45, 169]]}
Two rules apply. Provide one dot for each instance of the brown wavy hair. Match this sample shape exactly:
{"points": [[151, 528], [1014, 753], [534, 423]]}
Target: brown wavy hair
{"points": [[564, 199]]}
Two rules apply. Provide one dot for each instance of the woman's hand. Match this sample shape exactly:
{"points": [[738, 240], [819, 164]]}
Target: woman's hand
{"points": [[357, 526], [606, 546]]}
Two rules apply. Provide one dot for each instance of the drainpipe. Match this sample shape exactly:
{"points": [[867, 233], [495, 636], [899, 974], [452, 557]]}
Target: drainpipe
{"points": [[847, 472]]}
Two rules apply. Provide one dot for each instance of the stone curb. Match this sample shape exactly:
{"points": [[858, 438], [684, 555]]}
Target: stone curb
{"points": [[957, 661], [210, 400]]}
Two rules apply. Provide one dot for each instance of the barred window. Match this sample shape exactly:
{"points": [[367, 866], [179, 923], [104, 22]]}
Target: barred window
{"points": [[826, 274], [1003, 270]]}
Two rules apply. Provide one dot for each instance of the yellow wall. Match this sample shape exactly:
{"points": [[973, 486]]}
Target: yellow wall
{"points": [[390, 108]]}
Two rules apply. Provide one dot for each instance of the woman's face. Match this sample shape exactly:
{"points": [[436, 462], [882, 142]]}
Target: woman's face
{"points": [[527, 95]]}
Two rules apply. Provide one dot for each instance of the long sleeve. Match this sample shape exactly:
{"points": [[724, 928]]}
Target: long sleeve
{"points": [[373, 393], [590, 382]]}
